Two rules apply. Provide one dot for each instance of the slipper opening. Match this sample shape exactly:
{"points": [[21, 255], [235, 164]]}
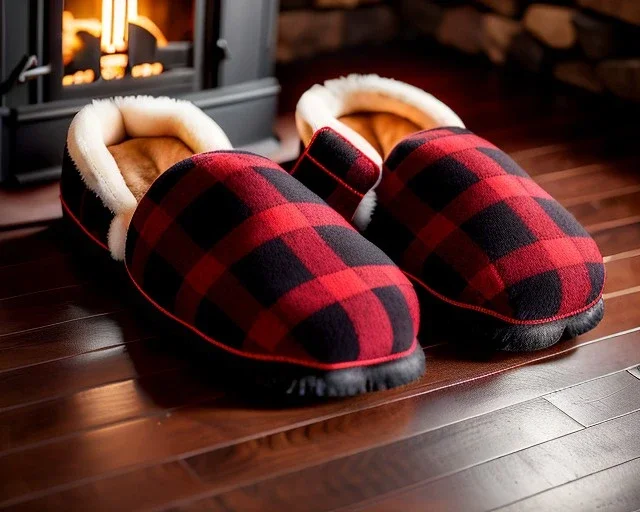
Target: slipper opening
{"points": [[372, 112], [121, 145]]}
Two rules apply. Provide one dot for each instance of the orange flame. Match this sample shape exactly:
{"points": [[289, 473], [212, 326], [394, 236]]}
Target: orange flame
{"points": [[113, 31]]}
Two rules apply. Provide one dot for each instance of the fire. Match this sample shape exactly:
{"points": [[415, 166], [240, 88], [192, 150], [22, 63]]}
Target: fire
{"points": [[113, 31], [146, 23], [115, 26]]}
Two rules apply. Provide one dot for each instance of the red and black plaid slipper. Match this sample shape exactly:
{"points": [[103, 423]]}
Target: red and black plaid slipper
{"points": [[497, 259], [238, 254]]}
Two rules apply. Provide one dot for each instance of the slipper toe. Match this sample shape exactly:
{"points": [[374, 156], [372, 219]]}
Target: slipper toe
{"points": [[235, 250]]}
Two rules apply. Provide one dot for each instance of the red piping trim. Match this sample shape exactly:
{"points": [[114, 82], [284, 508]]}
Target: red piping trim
{"points": [[277, 359], [81, 226], [259, 357], [499, 316], [322, 167], [339, 180]]}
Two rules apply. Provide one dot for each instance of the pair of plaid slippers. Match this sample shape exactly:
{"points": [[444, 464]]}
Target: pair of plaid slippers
{"points": [[306, 282]]}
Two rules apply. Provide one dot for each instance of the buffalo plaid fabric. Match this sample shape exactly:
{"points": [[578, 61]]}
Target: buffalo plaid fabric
{"points": [[231, 246], [464, 220], [82, 203], [336, 171]]}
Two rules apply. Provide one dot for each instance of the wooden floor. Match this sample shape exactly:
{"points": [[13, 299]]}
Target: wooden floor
{"points": [[100, 412]]}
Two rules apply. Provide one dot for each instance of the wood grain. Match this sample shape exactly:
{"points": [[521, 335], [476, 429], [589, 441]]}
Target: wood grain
{"points": [[30, 244], [618, 240], [597, 215], [600, 399], [622, 274], [56, 271], [153, 395], [612, 490], [522, 474], [66, 376], [68, 339], [429, 412], [49, 307], [603, 181], [389, 466]]}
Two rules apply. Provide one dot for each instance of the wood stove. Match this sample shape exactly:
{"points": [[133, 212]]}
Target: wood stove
{"points": [[56, 55]]}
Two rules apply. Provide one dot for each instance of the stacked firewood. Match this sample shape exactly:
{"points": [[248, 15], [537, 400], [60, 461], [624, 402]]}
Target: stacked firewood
{"points": [[592, 44], [308, 27]]}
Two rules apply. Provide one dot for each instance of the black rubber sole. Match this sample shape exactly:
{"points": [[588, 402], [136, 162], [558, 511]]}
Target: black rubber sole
{"points": [[235, 372], [481, 333], [300, 381]]}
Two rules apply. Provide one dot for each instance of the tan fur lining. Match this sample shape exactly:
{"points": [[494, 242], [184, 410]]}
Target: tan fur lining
{"points": [[143, 159], [382, 130], [102, 144]]}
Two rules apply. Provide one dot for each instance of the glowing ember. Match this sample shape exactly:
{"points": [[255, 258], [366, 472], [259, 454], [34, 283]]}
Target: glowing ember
{"points": [[114, 66], [146, 69], [79, 77]]}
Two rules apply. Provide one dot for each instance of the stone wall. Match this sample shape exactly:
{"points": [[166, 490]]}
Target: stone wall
{"points": [[308, 27], [592, 44]]}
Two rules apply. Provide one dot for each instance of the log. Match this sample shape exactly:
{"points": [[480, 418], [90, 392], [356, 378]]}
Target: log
{"points": [[579, 73], [497, 34], [461, 27], [422, 15], [505, 7], [625, 10], [306, 33], [551, 24], [370, 25], [286, 5], [596, 37], [342, 4], [527, 52], [621, 77]]}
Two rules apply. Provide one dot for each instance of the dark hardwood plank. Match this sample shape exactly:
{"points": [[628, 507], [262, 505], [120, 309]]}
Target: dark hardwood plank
{"points": [[596, 215], [397, 464], [110, 449], [515, 135], [562, 156], [66, 376], [69, 339], [612, 490], [234, 423], [604, 182], [145, 489], [600, 399], [227, 422], [37, 203], [523, 474], [621, 314], [56, 271], [100, 406], [622, 274], [22, 245], [49, 307], [619, 166], [618, 240]]}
